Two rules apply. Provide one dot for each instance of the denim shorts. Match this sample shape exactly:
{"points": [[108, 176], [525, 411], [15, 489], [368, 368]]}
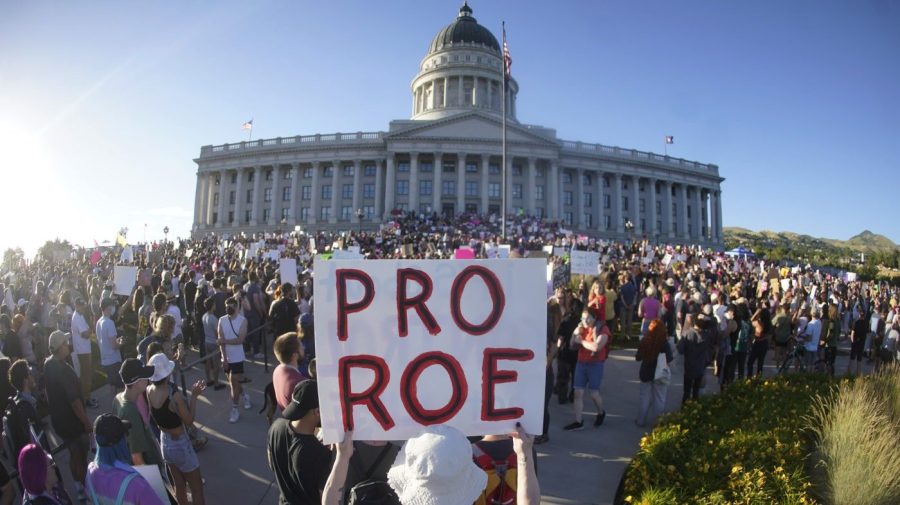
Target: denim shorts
{"points": [[588, 374], [178, 452]]}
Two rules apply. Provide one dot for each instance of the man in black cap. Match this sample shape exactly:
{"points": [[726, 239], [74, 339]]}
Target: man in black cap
{"points": [[300, 462], [143, 445]]}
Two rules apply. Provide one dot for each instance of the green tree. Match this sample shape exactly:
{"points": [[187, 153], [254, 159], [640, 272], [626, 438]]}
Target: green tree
{"points": [[51, 247]]}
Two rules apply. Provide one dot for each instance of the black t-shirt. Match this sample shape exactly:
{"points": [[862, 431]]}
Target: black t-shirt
{"points": [[364, 458], [566, 329], [12, 346], [860, 330], [62, 390], [284, 313], [300, 462], [190, 291]]}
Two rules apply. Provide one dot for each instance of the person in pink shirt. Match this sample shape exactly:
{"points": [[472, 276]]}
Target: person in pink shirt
{"points": [[289, 353], [648, 309]]}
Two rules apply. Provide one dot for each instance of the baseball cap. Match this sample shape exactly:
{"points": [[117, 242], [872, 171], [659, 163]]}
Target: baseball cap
{"points": [[132, 370], [57, 339], [304, 398], [109, 429]]}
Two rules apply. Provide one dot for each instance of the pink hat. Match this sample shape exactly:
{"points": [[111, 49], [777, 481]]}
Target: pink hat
{"points": [[33, 469]]}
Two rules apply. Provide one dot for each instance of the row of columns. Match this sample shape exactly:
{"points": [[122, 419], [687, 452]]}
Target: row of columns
{"points": [[425, 96]]}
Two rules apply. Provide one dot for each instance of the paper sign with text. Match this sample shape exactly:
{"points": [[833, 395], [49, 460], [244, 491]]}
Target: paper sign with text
{"points": [[124, 279], [584, 262], [404, 344]]}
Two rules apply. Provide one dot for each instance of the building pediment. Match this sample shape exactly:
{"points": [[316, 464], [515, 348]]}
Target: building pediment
{"points": [[469, 126]]}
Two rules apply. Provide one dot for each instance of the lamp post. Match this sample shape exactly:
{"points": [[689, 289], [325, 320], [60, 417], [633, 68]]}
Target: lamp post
{"points": [[166, 234], [629, 226], [359, 218]]}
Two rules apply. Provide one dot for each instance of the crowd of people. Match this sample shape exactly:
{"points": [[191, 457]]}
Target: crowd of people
{"points": [[221, 299]]}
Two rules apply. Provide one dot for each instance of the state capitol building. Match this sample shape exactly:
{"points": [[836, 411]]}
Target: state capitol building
{"points": [[446, 159]]}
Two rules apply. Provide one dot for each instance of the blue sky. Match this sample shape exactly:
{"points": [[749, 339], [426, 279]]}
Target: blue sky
{"points": [[103, 105]]}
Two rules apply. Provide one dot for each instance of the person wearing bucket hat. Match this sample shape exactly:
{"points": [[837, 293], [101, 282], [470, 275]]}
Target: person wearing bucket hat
{"points": [[172, 413], [111, 478], [437, 468]]}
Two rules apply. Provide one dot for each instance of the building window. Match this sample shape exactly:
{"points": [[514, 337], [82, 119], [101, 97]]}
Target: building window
{"points": [[538, 192], [369, 211], [307, 173], [625, 185], [346, 212], [268, 175], [567, 198], [588, 199], [517, 191], [215, 217], [234, 179], [347, 191], [643, 224], [539, 171], [424, 208], [250, 176], [231, 197], [641, 186], [517, 170], [607, 201], [329, 171], [607, 221], [215, 199], [368, 191], [369, 171], [230, 216], [471, 188], [606, 182], [247, 215], [266, 213], [326, 192], [349, 170], [306, 192], [426, 166], [624, 203], [402, 187], [659, 207], [658, 225], [403, 207], [494, 190], [249, 196], [218, 180], [587, 179], [304, 214], [540, 212], [472, 168], [494, 169], [403, 166], [289, 174], [286, 194], [285, 212], [449, 166], [325, 213], [449, 188], [424, 188], [567, 178], [689, 211], [567, 218], [267, 196], [588, 220], [642, 205]]}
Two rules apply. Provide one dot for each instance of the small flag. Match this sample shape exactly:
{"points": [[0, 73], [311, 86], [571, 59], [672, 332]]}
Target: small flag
{"points": [[507, 58], [670, 139], [248, 125]]}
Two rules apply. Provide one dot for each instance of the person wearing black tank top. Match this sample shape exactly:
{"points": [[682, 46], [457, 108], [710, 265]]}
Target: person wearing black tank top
{"points": [[172, 413]]}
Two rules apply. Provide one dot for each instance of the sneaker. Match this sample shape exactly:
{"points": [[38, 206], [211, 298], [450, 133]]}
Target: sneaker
{"points": [[574, 426], [600, 417], [219, 386], [247, 404], [259, 355], [235, 415], [91, 403]]}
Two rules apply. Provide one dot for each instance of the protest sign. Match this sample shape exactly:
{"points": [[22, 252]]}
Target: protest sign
{"points": [[355, 249], [559, 251], [490, 251], [404, 344], [151, 474], [584, 262], [127, 255], [273, 255], [504, 251], [561, 275], [464, 253], [704, 263], [340, 254], [287, 269], [124, 278]]}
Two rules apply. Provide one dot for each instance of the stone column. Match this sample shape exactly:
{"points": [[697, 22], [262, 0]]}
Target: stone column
{"points": [[316, 193], [446, 89], [222, 183], [579, 199], [475, 98], [390, 186], [257, 198], [553, 183], [438, 183], [274, 215], [295, 192], [651, 209], [460, 92], [601, 202], [696, 215], [414, 182], [666, 213], [509, 185], [357, 188], [379, 191], [336, 193], [200, 211], [485, 182], [210, 191], [719, 236], [682, 212], [239, 198], [618, 221], [198, 200], [531, 202], [461, 183], [636, 205]]}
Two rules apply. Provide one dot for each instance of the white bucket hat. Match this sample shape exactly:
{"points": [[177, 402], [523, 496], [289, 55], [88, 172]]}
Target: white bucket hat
{"points": [[162, 366], [436, 468]]}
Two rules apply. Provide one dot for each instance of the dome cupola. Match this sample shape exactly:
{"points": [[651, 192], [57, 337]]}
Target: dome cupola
{"points": [[465, 29]]}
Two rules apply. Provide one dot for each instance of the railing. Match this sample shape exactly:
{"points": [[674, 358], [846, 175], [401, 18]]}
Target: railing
{"points": [[205, 357], [635, 154], [350, 138]]}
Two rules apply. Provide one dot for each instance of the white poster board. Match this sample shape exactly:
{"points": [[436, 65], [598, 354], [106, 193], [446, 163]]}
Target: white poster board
{"points": [[153, 477], [466, 356], [124, 278], [340, 254], [127, 255], [584, 262], [287, 270]]}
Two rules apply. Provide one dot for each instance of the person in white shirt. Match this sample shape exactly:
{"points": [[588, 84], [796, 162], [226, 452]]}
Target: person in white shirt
{"points": [[813, 333], [175, 312], [232, 332], [109, 342], [873, 330], [81, 350]]}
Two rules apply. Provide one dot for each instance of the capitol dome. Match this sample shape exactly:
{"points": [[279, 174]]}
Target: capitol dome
{"points": [[465, 29], [462, 71]]}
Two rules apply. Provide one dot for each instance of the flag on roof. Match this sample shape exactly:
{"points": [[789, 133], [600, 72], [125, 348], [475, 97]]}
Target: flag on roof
{"points": [[670, 139], [248, 125], [507, 58]]}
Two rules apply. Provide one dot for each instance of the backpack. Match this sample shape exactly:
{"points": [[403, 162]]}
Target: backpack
{"points": [[501, 478], [370, 491], [743, 337]]}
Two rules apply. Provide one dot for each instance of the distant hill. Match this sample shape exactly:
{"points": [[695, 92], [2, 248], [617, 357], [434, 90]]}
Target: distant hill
{"points": [[866, 241]]}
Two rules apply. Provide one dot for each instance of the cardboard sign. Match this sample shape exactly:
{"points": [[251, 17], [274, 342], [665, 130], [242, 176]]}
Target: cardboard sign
{"points": [[584, 262], [287, 269], [404, 344], [124, 279], [340, 254], [464, 253], [561, 275]]}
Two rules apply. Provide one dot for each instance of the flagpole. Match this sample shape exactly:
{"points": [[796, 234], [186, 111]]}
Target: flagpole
{"points": [[503, 139], [666, 145]]}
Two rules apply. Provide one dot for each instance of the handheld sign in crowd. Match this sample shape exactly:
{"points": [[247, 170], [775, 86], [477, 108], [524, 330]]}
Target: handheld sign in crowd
{"points": [[124, 279], [404, 344], [584, 262], [287, 270]]}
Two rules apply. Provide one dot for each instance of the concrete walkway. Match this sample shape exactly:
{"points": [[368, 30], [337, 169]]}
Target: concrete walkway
{"points": [[581, 467]]}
